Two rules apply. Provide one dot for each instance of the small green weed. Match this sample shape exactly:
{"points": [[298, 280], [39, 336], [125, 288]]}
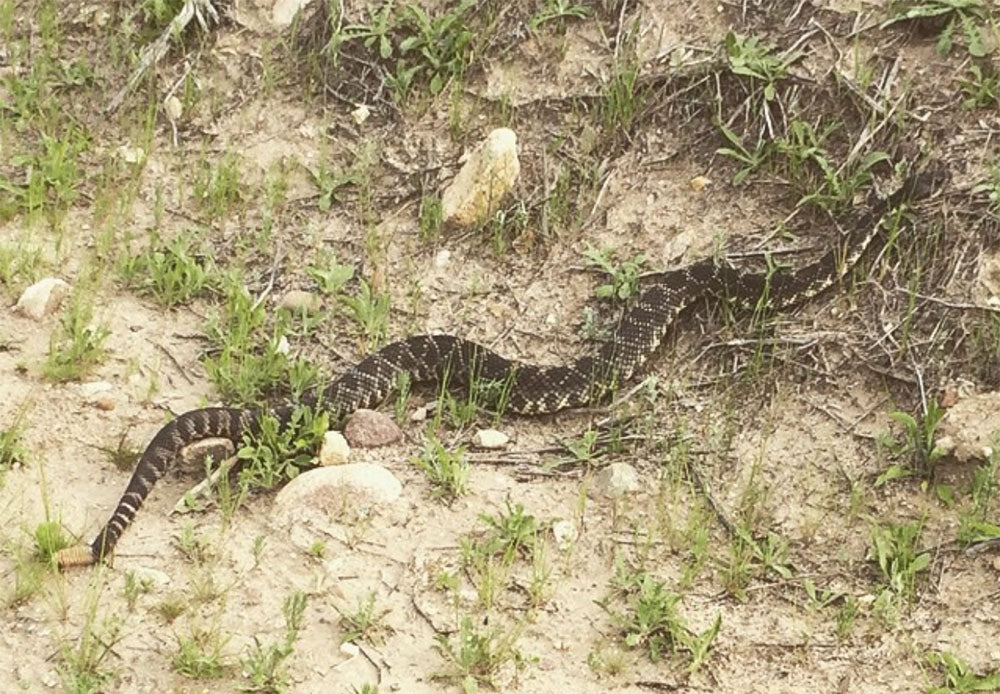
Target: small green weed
{"points": [[981, 87], [83, 666], [894, 547], [649, 619], [218, 187], [622, 96], [249, 361], [959, 677], [12, 450], [330, 275], [475, 655], [365, 622], [973, 526], [50, 537], [134, 587], [77, 347], [447, 471], [972, 17], [431, 217], [623, 281], [370, 309], [264, 665], [172, 273], [201, 653], [557, 12], [748, 57], [915, 446]]}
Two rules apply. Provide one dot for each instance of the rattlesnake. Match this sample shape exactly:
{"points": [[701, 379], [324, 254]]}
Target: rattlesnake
{"points": [[527, 388]]}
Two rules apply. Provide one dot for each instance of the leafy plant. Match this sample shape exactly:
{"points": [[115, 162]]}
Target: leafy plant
{"points": [[624, 278], [172, 273], [78, 346], [750, 58], [959, 677], [981, 87], [447, 471], [557, 11], [971, 16], [895, 551], [264, 665], [649, 619], [371, 311], [916, 445], [276, 455]]}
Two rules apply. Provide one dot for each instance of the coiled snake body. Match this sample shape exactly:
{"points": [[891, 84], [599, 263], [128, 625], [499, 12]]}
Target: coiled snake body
{"points": [[529, 388]]}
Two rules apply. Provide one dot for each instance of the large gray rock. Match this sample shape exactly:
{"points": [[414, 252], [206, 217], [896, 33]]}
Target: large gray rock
{"points": [[358, 484]]}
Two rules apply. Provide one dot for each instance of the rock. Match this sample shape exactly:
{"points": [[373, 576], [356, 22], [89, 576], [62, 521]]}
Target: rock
{"points": [[105, 402], [174, 108], [360, 114], [565, 534], [301, 300], [329, 487], [490, 438], [442, 259], [987, 287], [483, 181], [283, 346], [283, 11], [335, 450], [617, 479], [132, 155], [218, 449], [90, 391], [970, 429], [42, 298], [370, 429], [419, 414], [698, 183], [349, 649]]}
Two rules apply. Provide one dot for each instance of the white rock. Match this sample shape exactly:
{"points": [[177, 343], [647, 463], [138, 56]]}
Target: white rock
{"points": [[174, 108], [969, 427], [442, 258], [283, 346], [349, 649], [42, 298], [490, 438], [94, 388], [617, 479], [284, 11], [419, 414], [131, 155], [483, 181], [360, 114], [330, 487], [299, 299], [335, 449], [565, 534]]}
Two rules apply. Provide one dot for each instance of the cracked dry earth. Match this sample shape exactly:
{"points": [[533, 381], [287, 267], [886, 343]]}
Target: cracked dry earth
{"points": [[787, 449]]}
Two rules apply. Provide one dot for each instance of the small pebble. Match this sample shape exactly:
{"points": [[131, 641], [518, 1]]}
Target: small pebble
{"points": [[490, 438]]}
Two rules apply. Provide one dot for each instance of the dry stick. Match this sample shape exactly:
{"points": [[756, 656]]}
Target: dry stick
{"points": [[203, 488], [949, 304], [152, 53]]}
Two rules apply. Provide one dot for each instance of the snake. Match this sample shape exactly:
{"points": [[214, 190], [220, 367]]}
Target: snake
{"points": [[527, 388]]}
